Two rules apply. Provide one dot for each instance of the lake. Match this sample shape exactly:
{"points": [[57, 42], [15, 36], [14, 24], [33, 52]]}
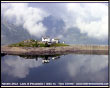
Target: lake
{"points": [[70, 70]]}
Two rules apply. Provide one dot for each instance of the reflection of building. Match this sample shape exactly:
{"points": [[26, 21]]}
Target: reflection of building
{"points": [[45, 59], [55, 57]]}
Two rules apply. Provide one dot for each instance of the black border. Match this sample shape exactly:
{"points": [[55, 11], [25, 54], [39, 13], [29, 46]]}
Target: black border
{"points": [[108, 44], [56, 0]]}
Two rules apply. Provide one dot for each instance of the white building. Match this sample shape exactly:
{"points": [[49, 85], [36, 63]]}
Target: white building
{"points": [[45, 39], [50, 41], [63, 42], [55, 40]]}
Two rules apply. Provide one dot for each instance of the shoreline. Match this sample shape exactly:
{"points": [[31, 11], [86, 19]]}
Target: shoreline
{"points": [[75, 49]]}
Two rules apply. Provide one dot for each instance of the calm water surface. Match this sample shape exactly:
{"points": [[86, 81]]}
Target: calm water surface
{"points": [[73, 68]]}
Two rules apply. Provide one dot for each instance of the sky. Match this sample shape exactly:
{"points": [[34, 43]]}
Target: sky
{"points": [[89, 18]]}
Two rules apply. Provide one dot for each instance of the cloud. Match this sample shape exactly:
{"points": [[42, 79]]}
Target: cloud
{"points": [[29, 18], [90, 18], [87, 65], [19, 67]]}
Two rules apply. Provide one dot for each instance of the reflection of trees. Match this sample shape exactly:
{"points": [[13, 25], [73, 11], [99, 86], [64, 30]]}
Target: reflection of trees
{"points": [[2, 54], [45, 58]]}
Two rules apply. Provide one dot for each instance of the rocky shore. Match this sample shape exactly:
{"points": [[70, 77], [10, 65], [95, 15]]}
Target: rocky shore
{"points": [[76, 49]]}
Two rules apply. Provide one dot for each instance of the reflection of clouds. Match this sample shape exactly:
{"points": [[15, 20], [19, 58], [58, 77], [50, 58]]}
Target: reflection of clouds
{"points": [[96, 63], [91, 66], [74, 65], [74, 68], [19, 67]]}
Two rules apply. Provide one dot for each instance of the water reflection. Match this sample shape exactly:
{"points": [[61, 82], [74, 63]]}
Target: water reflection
{"points": [[45, 58], [65, 68], [18, 66], [89, 68]]}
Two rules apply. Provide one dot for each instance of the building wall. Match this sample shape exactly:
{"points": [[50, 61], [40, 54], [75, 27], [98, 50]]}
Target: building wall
{"points": [[55, 41], [46, 40]]}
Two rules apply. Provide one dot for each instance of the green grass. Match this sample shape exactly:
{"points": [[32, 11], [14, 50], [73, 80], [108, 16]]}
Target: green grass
{"points": [[35, 43], [31, 43]]}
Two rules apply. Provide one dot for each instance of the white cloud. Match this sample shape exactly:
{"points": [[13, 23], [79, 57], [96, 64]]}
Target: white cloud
{"points": [[90, 18], [19, 67], [30, 18], [89, 65]]}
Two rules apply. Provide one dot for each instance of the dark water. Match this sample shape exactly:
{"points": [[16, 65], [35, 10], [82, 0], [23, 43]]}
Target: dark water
{"points": [[73, 68]]}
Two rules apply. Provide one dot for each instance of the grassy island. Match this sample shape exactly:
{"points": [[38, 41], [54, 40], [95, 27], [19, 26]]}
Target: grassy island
{"points": [[33, 47], [36, 43]]}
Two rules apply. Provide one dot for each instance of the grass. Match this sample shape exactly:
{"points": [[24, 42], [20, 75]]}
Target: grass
{"points": [[35, 43], [26, 43]]}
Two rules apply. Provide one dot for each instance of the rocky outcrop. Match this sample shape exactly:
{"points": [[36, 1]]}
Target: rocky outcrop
{"points": [[77, 49]]}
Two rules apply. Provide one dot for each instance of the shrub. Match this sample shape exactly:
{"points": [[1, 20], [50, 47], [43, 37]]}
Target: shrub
{"points": [[46, 44]]}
